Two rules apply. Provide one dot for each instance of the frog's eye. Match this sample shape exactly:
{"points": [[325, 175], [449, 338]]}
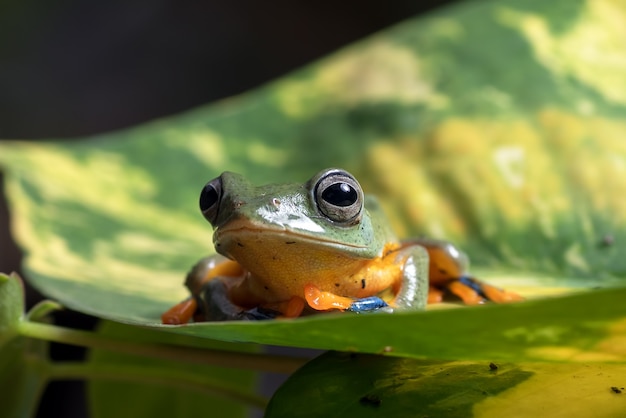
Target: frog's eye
{"points": [[210, 199], [339, 196]]}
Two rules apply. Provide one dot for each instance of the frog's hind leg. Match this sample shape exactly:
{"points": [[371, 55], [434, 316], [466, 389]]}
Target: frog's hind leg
{"points": [[487, 291], [448, 268], [209, 268], [181, 313], [291, 308], [473, 291], [215, 304], [204, 271]]}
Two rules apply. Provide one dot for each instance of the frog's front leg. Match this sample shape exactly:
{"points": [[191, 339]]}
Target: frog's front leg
{"points": [[412, 294], [403, 269]]}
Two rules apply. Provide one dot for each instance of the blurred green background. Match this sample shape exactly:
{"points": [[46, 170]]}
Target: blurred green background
{"points": [[76, 68]]}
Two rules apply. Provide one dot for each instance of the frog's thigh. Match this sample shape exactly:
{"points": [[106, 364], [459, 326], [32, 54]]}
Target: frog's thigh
{"points": [[216, 305], [208, 269], [413, 290], [203, 271], [214, 302]]}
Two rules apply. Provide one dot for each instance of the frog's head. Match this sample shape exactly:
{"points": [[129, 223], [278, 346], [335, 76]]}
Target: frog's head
{"points": [[325, 214]]}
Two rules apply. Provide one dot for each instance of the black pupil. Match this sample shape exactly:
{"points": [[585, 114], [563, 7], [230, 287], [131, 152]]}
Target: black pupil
{"points": [[340, 194], [208, 197]]}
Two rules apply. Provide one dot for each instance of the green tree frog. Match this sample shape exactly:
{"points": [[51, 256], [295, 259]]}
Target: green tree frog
{"points": [[290, 249]]}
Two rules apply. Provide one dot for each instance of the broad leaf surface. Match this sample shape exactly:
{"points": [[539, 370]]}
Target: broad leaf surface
{"points": [[497, 125], [342, 384]]}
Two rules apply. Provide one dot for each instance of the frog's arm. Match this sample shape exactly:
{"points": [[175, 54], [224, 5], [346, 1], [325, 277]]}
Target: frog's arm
{"points": [[410, 284], [324, 301]]}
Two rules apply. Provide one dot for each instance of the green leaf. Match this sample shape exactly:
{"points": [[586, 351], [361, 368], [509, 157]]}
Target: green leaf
{"points": [[583, 327], [342, 384], [220, 391], [21, 382], [483, 123]]}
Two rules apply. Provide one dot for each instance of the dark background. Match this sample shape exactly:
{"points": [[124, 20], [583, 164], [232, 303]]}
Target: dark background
{"points": [[70, 68]]}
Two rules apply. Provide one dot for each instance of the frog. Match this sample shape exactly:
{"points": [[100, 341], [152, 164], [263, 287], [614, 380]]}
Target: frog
{"points": [[293, 249]]}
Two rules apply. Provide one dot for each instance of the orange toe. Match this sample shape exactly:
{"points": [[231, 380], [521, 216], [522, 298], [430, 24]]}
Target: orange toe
{"points": [[323, 301], [180, 313], [466, 293], [499, 295], [295, 306], [435, 295]]}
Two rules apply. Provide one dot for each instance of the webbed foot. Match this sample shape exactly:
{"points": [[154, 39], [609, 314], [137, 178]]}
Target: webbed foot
{"points": [[369, 304], [324, 301], [473, 291]]}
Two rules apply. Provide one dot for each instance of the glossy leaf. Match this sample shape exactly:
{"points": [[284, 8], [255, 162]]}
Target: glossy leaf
{"points": [[584, 327], [483, 123], [343, 384]]}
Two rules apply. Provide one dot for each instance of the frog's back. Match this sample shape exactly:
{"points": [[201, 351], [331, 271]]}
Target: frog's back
{"points": [[379, 220]]}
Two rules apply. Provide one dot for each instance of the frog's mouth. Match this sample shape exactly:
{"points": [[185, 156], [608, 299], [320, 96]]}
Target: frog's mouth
{"points": [[240, 236]]}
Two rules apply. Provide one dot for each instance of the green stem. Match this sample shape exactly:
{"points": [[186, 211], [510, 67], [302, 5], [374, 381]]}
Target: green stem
{"points": [[141, 374], [222, 358]]}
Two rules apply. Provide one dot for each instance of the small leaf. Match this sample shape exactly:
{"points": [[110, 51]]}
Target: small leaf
{"points": [[21, 382], [41, 310], [11, 305]]}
